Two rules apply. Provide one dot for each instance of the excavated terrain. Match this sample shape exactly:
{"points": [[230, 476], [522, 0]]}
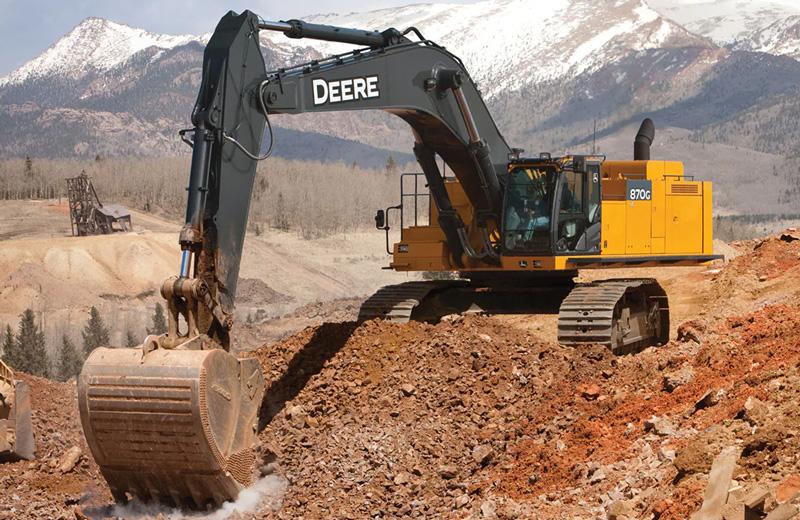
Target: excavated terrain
{"points": [[484, 417]]}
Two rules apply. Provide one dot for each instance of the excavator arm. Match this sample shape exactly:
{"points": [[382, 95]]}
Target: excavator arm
{"points": [[175, 420], [427, 87]]}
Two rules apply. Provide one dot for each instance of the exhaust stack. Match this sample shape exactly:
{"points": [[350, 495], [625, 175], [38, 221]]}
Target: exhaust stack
{"points": [[644, 138]]}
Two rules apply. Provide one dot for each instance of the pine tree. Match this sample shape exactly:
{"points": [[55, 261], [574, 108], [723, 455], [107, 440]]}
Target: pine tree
{"points": [[28, 166], [30, 354], [7, 349], [130, 339], [95, 334], [391, 165], [281, 219], [159, 322], [69, 360]]}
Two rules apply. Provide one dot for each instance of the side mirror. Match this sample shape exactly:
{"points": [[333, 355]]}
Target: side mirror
{"points": [[380, 219]]}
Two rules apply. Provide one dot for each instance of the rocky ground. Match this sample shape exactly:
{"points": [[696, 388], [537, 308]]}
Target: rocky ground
{"points": [[484, 417]]}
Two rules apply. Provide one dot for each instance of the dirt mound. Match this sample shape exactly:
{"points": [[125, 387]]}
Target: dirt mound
{"points": [[452, 419], [39, 488], [252, 291]]}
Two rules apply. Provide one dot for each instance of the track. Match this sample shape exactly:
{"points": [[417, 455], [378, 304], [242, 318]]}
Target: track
{"points": [[624, 315], [396, 302]]}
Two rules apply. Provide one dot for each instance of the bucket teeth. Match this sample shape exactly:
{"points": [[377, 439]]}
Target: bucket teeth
{"points": [[169, 426]]}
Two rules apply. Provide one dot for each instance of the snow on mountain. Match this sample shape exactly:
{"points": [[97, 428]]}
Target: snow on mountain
{"points": [[780, 38], [95, 45], [759, 25], [507, 45]]}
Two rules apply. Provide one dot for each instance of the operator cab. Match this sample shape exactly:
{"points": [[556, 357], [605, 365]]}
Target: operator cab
{"points": [[552, 206]]}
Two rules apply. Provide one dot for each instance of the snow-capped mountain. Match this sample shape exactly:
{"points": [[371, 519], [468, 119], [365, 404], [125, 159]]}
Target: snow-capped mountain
{"points": [[757, 25], [781, 38], [506, 45], [547, 72], [95, 45]]}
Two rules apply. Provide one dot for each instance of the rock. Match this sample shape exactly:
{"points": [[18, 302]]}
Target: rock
{"points": [[485, 337], [461, 501], [402, 478], [482, 454], [452, 318], [598, 476], [269, 468], [661, 507], [447, 472], [719, 482], [673, 380], [69, 459], [762, 278], [790, 235], [691, 331], [589, 391], [533, 479], [295, 411], [666, 454], [408, 389], [660, 426], [488, 510], [710, 398], [782, 512], [788, 489], [755, 411], [620, 511]]}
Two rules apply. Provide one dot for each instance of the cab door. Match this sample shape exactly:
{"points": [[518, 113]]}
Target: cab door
{"points": [[578, 209]]}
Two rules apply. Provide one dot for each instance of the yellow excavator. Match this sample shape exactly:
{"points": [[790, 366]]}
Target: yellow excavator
{"points": [[16, 429], [175, 419]]}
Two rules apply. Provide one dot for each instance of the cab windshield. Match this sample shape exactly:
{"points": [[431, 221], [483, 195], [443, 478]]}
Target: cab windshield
{"points": [[528, 209]]}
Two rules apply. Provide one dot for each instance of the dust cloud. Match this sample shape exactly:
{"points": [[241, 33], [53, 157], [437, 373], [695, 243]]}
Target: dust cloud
{"points": [[266, 494]]}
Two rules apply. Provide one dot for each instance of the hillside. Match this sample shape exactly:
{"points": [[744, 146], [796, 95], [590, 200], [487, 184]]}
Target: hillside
{"points": [[60, 277]]}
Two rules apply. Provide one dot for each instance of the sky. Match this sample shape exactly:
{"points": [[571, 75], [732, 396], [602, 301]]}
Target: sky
{"points": [[29, 27]]}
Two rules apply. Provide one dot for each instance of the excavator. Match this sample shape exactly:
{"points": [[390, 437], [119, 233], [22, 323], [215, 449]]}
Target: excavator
{"points": [[175, 420], [16, 428]]}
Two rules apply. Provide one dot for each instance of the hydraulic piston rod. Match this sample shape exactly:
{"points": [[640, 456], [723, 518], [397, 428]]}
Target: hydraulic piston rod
{"points": [[300, 29]]}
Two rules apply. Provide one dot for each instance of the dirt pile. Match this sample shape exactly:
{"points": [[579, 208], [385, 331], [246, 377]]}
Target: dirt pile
{"points": [[767, 272], [471, 416], [63, 474], [479, 417], [485, 417]]}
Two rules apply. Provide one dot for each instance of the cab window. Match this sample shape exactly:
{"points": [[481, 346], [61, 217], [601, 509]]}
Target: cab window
{"points": [[528, 210]]}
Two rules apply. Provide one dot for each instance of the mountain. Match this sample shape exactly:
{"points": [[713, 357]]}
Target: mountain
{"points": [[508, 47], [771, 26], [550, 75], [95, 46]]}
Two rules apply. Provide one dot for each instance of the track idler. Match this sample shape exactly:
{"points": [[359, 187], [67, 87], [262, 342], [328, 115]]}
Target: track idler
{"points": [[172, 426]]}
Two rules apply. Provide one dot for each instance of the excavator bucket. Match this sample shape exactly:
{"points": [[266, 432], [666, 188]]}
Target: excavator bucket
{"points": [[172, 426], [16, 430]]}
